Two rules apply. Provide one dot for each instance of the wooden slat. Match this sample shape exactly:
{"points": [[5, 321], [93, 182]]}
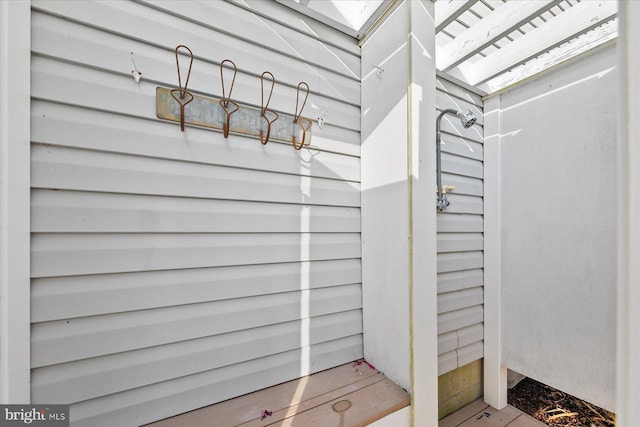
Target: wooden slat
{"points": [[67, 255], [291, 415], [449, 11], [82, 170], [296, 395], [104, 375], [75, 339], [464, 414], [367, 405], [71, 297], [87, 212], [161, 400], [601, 35], [495, 418], [290, 402], [501, 22], [309, 392], [577, 20]]}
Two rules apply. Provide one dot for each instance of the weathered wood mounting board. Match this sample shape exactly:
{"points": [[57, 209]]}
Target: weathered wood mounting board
{"points": [[207, 112]]}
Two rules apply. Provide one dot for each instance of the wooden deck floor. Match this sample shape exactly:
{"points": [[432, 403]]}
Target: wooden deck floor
{"points": [[479, 414], [347, 396]]}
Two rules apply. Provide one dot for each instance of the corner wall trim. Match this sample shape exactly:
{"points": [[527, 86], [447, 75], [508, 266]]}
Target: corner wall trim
{"points": [[628, 328], [15, 148], [495, 374]]}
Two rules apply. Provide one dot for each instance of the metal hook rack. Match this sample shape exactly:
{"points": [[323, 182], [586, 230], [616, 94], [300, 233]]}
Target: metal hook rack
{"points": [[226, 100], [264, 107], [232, 116], [302, 122], [182, 91]]}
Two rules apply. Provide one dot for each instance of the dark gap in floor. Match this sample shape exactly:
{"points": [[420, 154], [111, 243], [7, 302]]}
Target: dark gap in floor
{"points": [[556, 408]]}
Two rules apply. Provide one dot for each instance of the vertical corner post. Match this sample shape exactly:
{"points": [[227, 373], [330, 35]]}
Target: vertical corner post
{"points": [[628, 328], [423, 228], [495, 374], [15, 146]]}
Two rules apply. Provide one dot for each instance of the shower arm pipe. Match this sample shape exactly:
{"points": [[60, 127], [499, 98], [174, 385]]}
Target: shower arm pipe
{"points": [[442, 198]]}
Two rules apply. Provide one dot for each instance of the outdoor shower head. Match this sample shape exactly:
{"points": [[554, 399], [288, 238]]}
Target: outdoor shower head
{"points": [[467, 119]]}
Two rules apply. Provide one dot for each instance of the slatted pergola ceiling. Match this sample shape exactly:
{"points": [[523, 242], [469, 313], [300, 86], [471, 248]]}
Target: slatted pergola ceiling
{"points": [[490, 44]]}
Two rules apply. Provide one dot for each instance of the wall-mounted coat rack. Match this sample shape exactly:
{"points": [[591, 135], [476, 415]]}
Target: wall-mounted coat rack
{"points": [[231, 116]]}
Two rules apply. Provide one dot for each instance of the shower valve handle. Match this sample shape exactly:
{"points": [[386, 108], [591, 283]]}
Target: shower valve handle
{"points": [[447, 188]]}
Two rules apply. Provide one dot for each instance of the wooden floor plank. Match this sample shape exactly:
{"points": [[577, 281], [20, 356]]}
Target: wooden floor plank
{"points": [[332, 396], [491, 417], [365, 406], [247, 408], [463, 414], [525, 420]]}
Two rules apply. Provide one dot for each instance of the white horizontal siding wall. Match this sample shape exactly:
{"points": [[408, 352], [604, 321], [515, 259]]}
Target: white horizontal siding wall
{"points": [[174, 270], [460, 232]]}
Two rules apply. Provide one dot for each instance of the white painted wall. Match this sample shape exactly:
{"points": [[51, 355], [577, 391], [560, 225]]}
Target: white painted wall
{"points": [[558, 227], [385, 198]]}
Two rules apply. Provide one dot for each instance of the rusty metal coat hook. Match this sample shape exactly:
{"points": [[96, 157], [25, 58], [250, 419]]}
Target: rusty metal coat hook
{"points": [[182, 90], [264, 107], [225, 101], [304, 123]]}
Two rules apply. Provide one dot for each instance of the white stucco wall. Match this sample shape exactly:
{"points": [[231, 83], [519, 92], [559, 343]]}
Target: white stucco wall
{"points": [[558, 227]]}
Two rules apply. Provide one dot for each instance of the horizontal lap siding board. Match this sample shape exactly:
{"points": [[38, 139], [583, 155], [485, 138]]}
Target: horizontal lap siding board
{"points": [[460, 232], [175, 270]]}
